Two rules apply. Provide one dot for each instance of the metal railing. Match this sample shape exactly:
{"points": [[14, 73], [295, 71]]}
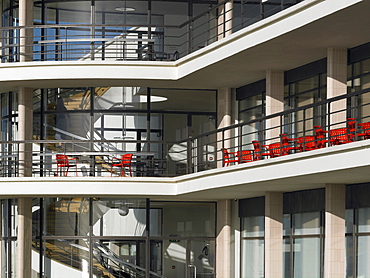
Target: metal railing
{"points": [[203, 152], [66, 42]]}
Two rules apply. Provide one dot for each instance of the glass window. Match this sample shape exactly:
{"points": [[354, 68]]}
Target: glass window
{"points": [[119, 217], [306, 223], [187, 219], [252, 254], [306, 256]]}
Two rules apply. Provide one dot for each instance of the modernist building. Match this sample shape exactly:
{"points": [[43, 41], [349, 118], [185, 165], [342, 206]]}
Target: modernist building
{"points": [[246, 125]]}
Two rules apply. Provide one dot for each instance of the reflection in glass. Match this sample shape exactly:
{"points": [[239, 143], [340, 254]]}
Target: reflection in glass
{"points": [[119, 217], [66, 258], [252, 258], [363, 256], [253, 226], [363, 220], [306, 223], [187, 219], [306, 255], [66, 216]]}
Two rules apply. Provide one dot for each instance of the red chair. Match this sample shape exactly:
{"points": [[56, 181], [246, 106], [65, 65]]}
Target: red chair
{"points": [[307, 143], [320, 137], [351, 125], [227, 157], [124, 162], [339, 136], [258, 151], [365, 132], [277, 149], [245, 156], [288, 143], [63, 163]]}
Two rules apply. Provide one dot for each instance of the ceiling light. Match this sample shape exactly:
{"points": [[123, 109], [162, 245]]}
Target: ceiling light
{"points": [[125, 9]]}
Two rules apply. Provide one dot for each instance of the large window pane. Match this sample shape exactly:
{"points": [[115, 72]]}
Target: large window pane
{"points": [[66, 258], [306, 258], [119, 217], [253, 226], [252, 259], [364, 220], [187, 219], [66, 216], [306, 223], [363, 256]]}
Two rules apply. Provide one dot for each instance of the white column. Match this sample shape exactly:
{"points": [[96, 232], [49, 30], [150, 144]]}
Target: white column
{"points": [[274, 235], [225, 20], [25, 126], [335, 244], [223, 120], [26, 39], [24, 237], [337, 84], [274, 103], [223, 239]]}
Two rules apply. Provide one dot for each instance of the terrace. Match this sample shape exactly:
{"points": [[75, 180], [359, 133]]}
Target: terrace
{"points": [[302, 130]]}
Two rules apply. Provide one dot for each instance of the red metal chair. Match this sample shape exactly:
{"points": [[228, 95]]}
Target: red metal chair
{"points": [[258, 151], [124, 162], [339, 136], [352, 127], [277, 149], [63, 163], [365, 132], [245, 156], [288, 143], [227, 157], [307, 143], [320, 136]]}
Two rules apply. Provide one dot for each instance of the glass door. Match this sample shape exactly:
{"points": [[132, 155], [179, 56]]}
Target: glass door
{"points": [[201, 258]]}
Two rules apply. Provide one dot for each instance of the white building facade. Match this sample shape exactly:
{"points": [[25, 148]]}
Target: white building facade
{"points": [[246, 124]]}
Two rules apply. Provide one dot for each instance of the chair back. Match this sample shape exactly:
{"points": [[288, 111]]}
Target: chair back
{"points": [[225, 153], [275, 149], [126, 159], [245, 156], [62, 160], [307, 143]]}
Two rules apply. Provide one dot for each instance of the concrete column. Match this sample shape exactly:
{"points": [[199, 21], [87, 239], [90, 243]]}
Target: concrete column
{"points": [[223, 120], [223, 240], [274, 235], [26, 39], [337, 84], [24, 237], [335, 247], [225, 20], [25, 132], [274, 103]]}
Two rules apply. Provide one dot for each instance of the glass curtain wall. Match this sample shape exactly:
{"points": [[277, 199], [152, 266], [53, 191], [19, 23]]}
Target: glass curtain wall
{"points": [[300, 93], [303, 234], [114, 237], [359, 79]]}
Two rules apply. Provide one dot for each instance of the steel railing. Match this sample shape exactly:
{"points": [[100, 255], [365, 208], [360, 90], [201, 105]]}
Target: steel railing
{"points": [[203, 152], [66, 42]]}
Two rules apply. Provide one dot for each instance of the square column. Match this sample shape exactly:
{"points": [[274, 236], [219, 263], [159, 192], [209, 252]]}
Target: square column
{"points": [[223, 239], [274, 103], [335, 241], [24, 237], [337, 84], [223, 120], [25, 130], [26, 34], [274, 235], [225, 20]]}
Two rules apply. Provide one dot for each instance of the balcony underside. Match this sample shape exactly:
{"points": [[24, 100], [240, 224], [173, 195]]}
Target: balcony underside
{"points": [[284, 41], [345, 164]]}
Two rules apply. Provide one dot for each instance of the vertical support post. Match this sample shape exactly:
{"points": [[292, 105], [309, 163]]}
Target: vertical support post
{"points": [[92, 30], [25, 34], [24, 237], [223, 239], [223, 120], [273, 234], [147, 234], [225, 20], [337, 85], [274, 103], [335, 247]]}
